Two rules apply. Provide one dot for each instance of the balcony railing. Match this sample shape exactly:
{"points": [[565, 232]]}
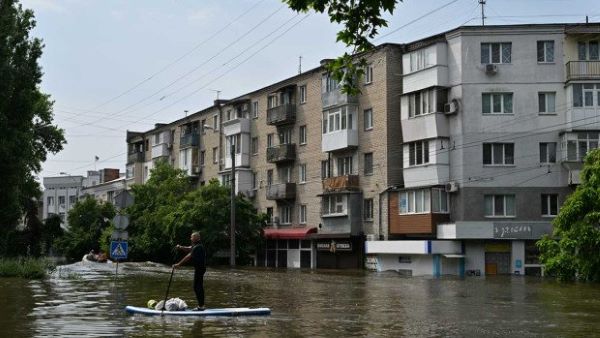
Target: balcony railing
{"points": [[189, 140], [341, 183], [281, 153], [282, 114], [137, 156], [583, 70], [283, 191]]}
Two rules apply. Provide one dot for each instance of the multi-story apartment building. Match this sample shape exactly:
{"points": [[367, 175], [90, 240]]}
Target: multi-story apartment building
{"points": [[494, 132]]}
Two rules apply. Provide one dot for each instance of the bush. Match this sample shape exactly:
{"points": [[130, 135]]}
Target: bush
{"points": [[32, 268]]}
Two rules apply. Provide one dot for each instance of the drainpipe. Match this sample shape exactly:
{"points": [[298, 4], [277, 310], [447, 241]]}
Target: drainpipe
{"points": [[381, 235]]}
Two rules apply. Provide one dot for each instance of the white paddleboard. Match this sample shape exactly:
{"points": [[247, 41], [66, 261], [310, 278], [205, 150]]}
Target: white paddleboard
{"points": [[234, 311]]}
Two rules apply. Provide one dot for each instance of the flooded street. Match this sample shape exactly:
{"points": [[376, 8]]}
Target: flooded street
{"points": [[82, 300]]}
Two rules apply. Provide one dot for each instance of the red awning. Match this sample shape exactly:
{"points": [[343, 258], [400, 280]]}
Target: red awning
{"points": [[289, 233]]}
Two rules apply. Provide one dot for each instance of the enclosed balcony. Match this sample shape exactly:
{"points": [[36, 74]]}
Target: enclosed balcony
{"points": [[137, 156], [340, 140], [583, 70], [283, 191], [341, 183], [160, 150], [236, 125], [189, 140], [282, 114], [281, 153], [337, 98]]}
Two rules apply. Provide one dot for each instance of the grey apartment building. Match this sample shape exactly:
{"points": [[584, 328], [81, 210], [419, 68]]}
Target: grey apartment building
{"points": [[454, 159]]}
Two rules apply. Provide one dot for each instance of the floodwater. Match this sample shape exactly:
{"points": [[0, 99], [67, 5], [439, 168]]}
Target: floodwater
{"points": [[86, 300]]}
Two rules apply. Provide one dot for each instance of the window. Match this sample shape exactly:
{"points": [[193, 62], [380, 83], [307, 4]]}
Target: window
{"points": [[368, 119], [216, 122], [61, 200], [303, 94], [229, 116], [50, 200], [579, 147], [130, 171], [255, 109], [587, 50], [548, 152], [415, 201], [285, 136], [215, 154], [302, 173], [500, 205], [419, 60], [226, 179], [254, 180], [369, 164], [344, 166], [369, 74], [302, 135], [334, 204], [269, 140], [324, 169], [302, 215], [269, 177], [72, 199], [202, 156], [272, 101], [269, 213], [496, 52], [368, 209], [549, 204], [328, 84], [418, 153], [498, 154], [547, 102], [285, 214], [285, 174], [234, 140], [255, 146], [583, 94], [545, 51], [202, 126], [156, 138], [497, 103], [337, 119]]}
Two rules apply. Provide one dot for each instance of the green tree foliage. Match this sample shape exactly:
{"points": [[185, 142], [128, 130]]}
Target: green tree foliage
{"points": [[87, 222], [166, 211], [26, 130], [51, 232], [361, 21], [573, 253]]}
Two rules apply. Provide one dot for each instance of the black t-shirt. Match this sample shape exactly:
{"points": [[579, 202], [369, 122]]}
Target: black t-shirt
{"points": [[198, 256]]}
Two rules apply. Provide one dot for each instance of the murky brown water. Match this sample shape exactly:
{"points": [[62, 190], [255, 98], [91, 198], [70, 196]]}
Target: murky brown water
{"points": [[86, 301]]}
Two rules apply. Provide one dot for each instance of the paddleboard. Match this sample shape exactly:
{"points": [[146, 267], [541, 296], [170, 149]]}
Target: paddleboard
{"points": [[234, 311]]}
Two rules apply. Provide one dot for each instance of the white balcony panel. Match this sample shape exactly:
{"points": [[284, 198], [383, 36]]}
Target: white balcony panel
{"points": [[583, 119], [340, 139], [236, 126], [413, 247], [241, 160], [430, 174], [425, 127], [425, 78], [160, 150]]}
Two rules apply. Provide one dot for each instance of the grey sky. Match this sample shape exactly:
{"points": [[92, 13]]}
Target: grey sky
{"points": [[97, 50]]}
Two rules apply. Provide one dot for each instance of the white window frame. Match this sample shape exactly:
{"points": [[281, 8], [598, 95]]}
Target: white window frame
{"points": [[255, 145], [546, 149], [422, 102], [302, 135], [345, 165], [585, 91], [336, 203], [368, 209], [413, 153], [505, 156], [368, 118], [368, 172], [302, 94], [587, 50], [502, 99], [411, 198], [215, 155], [285, 214], [440, 201], [216, 122], [419, 59], [543, 54], [548, 100], [270, 138], [338, 119], [502, 58], [254, 180], [369, 74], [547, 202], [302, 173], [492, 199], [302, 214], [255, 109]]}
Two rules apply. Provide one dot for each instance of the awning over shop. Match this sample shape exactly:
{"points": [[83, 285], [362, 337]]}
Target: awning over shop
{"points": [[289, 233]]}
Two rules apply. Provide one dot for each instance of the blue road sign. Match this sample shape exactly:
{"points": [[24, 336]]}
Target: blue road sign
{"points": [[118, 249]]}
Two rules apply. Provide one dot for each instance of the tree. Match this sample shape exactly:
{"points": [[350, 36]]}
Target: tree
{"points": [[361, 21], [26, 130], [572, 253], [88, 220]]}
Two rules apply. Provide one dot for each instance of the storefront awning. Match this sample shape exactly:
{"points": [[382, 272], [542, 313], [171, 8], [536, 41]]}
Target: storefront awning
{"points": [[289, 233]]}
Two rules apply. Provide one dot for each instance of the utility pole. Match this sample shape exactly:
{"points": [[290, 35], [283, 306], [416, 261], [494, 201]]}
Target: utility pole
{"points": [[232, 225], [482, 3]]}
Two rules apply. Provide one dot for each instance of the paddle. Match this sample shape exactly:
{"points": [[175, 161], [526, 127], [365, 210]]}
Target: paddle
{"points": [[167, 294]]}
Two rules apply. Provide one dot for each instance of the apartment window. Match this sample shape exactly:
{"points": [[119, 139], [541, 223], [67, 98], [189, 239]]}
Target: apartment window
{"points": [[547, 152], [302, 173], [547, 102], [583, 94], [415, 201], [255, 146], [285, 214], [303, 94], [549, 204], [285, 136], [368, 119], [344, 166], [337, 119], [226, 179], [269, 177], [369, 74], [498, 154], [588, 50], [334, 204], [329, 84], [269, 213], [203, 123], [500, 205], [496, 52], [419, 60], [50, 200], [369, 164], [215, 155], [368, 209], [302, 135], [72, 199], [545, 51], [302, 215], [324, 169], [439, 200], [61, 200], [269, 140], [202, 156], [272, 101], [579, 147], [229, 116], [497, 103], [235, 141], [156, 138], [255, 109], [418, 153], [285, 174], [216, 122]]}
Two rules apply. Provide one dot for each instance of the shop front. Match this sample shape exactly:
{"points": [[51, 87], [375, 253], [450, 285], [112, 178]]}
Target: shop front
{"points": [[339, 252], [287, 248]]}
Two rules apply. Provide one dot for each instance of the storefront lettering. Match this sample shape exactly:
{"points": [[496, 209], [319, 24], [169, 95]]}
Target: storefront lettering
{"points": [[504, 230], [334, 246]]}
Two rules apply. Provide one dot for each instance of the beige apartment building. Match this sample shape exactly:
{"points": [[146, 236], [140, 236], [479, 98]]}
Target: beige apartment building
{"points": [[317, 161]]}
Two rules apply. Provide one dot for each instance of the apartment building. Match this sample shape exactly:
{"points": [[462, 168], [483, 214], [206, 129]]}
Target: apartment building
{"points": [[496, 121]]}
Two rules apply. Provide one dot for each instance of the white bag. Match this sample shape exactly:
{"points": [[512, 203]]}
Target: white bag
{"points": [[173, 304]]}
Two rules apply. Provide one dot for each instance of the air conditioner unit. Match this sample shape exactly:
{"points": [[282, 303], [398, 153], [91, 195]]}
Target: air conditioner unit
{"points": [[491, 69], [452, 107], [451, 186]]}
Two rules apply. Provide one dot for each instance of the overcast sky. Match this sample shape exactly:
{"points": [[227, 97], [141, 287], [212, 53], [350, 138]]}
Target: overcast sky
{"points": [[117, 65]]}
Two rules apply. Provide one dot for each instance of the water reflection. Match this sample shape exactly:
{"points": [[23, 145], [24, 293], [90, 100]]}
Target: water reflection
{"points": [[82, 300]]}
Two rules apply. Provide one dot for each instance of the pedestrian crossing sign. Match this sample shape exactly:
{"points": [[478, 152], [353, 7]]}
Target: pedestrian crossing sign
{"points": [[118, 249]]}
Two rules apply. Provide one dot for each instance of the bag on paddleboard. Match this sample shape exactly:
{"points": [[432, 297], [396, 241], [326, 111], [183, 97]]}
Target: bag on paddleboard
{"points": [[173, 304]]}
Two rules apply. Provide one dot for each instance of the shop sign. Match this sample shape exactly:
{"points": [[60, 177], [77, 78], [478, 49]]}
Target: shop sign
{"points": [[512, 230], [334, 246]]}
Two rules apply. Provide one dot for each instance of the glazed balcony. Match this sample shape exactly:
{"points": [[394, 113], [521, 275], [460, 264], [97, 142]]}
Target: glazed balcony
{"points": [[189, 140], [282, 114], [283, 191], [137, 156], [341, 183], [281, 153]]}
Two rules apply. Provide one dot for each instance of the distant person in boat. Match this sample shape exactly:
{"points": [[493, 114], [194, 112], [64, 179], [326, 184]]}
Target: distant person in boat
{"points": [[196, 254]]}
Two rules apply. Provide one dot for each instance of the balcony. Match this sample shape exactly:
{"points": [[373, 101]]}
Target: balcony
{"points": [[282, 114], [137, 156], [281, 153], [339, 140], [236, 126], [189, 140], [583, 70], [283, 191], [341, 183], [425, 127], [160, 150], [337, 98]]}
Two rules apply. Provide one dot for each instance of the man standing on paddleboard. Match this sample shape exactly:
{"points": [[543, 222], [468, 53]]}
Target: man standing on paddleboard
{"points": [[196, 253]]}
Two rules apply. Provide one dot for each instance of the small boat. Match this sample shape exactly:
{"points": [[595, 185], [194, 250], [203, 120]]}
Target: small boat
{"points": [[232, 311]]}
